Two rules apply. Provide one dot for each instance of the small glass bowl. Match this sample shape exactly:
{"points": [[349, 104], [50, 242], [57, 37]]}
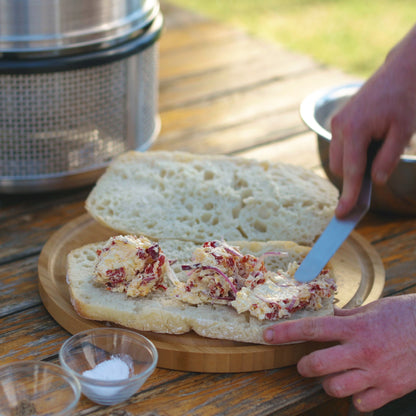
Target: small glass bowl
{"points": [[116, 350], [37, 388]]}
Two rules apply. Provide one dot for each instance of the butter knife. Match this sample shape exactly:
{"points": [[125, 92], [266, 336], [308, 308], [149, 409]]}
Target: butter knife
{"points": [[338, 229]]}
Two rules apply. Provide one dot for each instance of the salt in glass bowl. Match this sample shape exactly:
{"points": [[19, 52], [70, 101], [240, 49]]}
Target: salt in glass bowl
{"points": [[100, 352], [37, 388]]}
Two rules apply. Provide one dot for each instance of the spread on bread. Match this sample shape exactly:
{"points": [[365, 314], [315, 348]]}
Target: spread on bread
{"points": [[279, 295], [129, 264], [219, 274]]}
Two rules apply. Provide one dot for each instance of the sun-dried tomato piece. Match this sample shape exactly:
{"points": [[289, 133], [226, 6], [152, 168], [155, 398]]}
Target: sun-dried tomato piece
{"points": [[116, 273]]}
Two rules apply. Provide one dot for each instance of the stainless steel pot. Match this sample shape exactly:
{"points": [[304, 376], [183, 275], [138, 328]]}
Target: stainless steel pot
{"points": [[64, 26], [78, 86]]}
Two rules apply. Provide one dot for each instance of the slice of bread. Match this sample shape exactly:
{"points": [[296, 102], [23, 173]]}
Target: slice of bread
{"points": [[158, 312], [205, 197]]}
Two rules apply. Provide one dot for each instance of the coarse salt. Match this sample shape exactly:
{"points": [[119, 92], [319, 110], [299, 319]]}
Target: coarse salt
{"points": [[115, 368]]}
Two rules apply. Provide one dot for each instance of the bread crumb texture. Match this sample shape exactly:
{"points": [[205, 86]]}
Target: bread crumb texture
{"points": [[206, 197]]}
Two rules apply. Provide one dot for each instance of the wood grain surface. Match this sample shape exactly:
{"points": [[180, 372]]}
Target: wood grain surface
{"points": [[201, 108]]}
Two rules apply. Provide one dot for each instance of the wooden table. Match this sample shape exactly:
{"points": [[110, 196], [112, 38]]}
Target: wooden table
{"points": [[221, 91]]}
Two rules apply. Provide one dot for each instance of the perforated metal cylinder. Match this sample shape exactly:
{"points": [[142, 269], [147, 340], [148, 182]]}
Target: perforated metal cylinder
{"points": [[60, 129]]}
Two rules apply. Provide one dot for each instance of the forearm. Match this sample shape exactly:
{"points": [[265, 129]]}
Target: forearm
{"points": [[405, 51]]}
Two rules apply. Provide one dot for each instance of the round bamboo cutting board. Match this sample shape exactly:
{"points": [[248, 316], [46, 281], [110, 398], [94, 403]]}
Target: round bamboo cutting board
{"points": [[358, 270]]}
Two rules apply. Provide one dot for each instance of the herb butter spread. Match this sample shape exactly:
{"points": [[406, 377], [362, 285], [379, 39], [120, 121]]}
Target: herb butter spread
{"points": [[130, 264], [279, 296], [218, 274], [222, 274]]}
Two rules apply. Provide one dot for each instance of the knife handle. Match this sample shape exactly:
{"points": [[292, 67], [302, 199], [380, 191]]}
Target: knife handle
{"points": [[364, 197], [372, 151]]}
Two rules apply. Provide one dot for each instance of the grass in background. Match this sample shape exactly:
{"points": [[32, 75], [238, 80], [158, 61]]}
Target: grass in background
{"points": [[352, 35]]}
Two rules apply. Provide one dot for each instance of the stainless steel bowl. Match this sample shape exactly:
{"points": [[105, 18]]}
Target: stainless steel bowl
{"points": [[398, 196]]}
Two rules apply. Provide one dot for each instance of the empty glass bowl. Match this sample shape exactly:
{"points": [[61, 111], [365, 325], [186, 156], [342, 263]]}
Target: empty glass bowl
{"points": [[111, 364], [37, 388]]}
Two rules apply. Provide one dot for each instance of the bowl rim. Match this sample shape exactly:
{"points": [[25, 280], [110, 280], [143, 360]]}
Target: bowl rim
{"points": [[312, 101], [108, 331], [72, 381]]}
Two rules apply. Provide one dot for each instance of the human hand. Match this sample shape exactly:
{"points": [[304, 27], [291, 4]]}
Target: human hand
{"points": [[375, 360], [383, 109]]}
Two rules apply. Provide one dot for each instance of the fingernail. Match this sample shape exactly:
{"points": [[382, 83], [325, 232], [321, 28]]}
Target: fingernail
{"points": [[341, 205], [268, 335], [380, 177], [340, 209]]}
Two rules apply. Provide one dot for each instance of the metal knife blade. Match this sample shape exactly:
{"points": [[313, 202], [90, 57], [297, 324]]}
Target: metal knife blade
{"points": [[338, 230]]}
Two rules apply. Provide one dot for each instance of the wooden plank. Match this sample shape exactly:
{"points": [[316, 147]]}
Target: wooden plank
{"points": [[178, 16], [216, 48], [155, 385], [380, 227], [266, 129], [300, 149], [400, 263], [25, 232], [18, 281], [214, 395], [411, 289], [334, 407], [226, 394], [235, 108], [195, 33], [394, 239], [24, 204], [30, 335], [207, 56], [239, 72]]}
